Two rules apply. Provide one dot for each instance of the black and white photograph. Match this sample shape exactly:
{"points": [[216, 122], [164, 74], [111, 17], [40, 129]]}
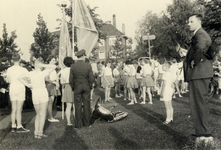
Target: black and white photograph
{"points": [[110, 74]]}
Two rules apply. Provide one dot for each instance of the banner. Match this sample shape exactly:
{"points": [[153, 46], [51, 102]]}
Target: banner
{"points": [[64, 43], [87, 34]]}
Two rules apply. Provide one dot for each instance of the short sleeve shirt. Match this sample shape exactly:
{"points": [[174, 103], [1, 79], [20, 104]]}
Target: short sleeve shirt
{"points": [[53, 75], [13, 73], [107, 71], [65, 73], [37, 78]]}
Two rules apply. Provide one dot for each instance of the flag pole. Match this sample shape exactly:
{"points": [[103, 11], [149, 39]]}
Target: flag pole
{"points": [[62, 108]]}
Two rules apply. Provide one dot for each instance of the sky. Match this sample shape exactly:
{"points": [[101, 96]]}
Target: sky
{"points": [[21, 15]]}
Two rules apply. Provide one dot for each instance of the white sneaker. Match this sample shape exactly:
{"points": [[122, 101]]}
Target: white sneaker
{"points": [[131, 103], [53, 120], [117, 96]]}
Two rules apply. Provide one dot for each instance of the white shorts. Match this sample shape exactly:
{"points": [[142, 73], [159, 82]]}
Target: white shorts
{"points": [[17, 93], [39, 95]]}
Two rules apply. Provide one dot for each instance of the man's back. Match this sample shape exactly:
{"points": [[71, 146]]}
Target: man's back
{"points": [[81, 72]]}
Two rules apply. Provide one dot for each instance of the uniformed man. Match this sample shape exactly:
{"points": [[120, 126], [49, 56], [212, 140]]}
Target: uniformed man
{"points": [[81, 80]]}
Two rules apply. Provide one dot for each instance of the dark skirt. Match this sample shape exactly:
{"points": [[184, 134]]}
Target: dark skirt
{"points": [[139, 82], [67, 94], [110, 82], [132, 83], [147, 81], [52, 91], [125, 79]]}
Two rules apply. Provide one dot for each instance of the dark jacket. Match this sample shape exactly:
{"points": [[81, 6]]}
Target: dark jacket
{"points": [[202, 69], [81, 73]]}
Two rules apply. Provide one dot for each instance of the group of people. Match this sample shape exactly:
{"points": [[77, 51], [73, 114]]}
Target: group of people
{"points": [[44, 81], [78, 80], [164, 78]]}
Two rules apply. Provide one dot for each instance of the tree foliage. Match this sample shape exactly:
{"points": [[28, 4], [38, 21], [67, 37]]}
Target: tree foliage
{"points": [[44, 41], [212, 18], [170, 28], [7, 43], [118, 48]]}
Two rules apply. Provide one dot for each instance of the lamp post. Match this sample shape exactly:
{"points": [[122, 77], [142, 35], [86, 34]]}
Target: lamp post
{"points": [[149, 45]]}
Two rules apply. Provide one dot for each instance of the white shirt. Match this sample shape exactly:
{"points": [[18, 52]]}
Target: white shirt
{"points": [[107, 71], [13, 73], [126, 70], [116, 72], [132, 70], [94, 67], [147, 69], [160, 69], [53, 76], [65, 73], [174, 70], [196, 30], [37, 78]]}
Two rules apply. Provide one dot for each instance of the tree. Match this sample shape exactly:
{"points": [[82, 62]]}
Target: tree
{"points": [[7, 44], [212, 18], [45, 42], [170, 28], [118, 48], [128, 47]]}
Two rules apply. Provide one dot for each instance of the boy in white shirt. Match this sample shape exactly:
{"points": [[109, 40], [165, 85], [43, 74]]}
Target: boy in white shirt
{"points": [[16, 93]]}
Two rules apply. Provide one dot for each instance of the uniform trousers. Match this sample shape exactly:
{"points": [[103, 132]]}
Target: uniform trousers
{"points": [[82, 113], [199, 106]]}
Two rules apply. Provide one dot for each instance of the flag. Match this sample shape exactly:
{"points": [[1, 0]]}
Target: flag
{"points": [[87, 34], [64, 43]]}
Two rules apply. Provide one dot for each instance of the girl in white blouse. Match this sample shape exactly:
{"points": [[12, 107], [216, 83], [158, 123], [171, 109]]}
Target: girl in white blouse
{"points": [[107, 81], [126, 71], [67, 93], [132, 82], [139, 78], [147, 81]]}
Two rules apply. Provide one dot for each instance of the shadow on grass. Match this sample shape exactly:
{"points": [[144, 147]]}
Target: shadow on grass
{"points": [[212, 110], [157, 120], [70, 140], [122, 142], [47, 123], [4, 132]]}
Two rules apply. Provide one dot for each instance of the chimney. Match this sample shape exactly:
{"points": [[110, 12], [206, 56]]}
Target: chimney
{"points": [[123, 29], [114, 20]]}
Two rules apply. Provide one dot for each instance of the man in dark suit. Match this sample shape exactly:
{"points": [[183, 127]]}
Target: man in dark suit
{"points": [[198, 71], [81, 80]]}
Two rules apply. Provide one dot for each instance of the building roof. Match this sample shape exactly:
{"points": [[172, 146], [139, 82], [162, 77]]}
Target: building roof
{"points": [[107, 28], [56, 32], [110, 30]]}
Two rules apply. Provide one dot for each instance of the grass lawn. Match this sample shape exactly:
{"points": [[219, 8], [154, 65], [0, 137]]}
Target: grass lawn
{"points": [[142, 129]]}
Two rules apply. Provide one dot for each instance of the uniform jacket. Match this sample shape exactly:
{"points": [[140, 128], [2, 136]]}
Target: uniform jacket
{"points": [[81, 73], [202, 69]]}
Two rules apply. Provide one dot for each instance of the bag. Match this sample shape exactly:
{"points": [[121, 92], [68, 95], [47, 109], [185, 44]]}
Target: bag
{"points": [[212, 51]]}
